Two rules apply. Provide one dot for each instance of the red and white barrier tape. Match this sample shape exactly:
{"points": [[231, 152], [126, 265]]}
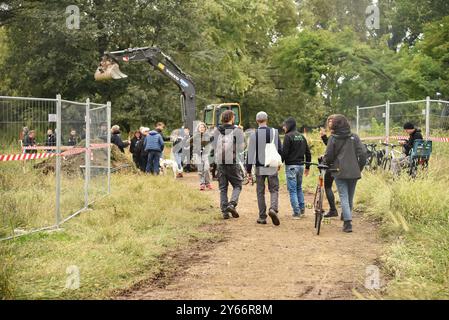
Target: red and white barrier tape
{"points": [[26, 156], [70, 151], [435, 139]]}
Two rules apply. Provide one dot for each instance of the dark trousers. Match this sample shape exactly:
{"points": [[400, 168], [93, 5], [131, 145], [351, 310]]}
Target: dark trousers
{"points": [[273, 187], [154, 158], [229, 174], [328, 182], [143, 160]]}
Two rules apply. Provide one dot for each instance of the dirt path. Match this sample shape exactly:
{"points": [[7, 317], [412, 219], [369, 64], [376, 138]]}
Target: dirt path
{"points": [[267, 262]]}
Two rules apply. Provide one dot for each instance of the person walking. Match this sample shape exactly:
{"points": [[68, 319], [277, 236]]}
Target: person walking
{"points": [[154, 145], [329, 180], [201, 149], [133, 147], [295, 152], [346, 154], [257, 146], [228, 143]]}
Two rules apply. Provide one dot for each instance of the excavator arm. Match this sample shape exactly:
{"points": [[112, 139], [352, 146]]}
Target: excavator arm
{"points": [[109, 69]]}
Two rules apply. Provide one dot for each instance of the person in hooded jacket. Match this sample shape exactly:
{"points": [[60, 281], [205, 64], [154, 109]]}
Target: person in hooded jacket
{"points": [[295, 153], [154, 145], [346, 154]]}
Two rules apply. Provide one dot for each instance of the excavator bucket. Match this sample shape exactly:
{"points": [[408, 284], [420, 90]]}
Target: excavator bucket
{"points": [[109, 69]]}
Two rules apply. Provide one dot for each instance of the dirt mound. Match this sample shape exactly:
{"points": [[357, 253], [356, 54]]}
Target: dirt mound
{"points": [[74, 164]]}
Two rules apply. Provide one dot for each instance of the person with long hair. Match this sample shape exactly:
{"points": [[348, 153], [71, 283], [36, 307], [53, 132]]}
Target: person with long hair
{"points": [[347, 155]]}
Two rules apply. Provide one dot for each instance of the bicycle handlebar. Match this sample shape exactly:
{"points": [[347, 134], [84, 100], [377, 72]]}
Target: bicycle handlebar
{"points": [[322, 166]]}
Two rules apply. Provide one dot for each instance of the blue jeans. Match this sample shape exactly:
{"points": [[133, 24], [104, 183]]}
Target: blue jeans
{"points": [[178, 159], [346, 190], [294, 184], [154, 158]]}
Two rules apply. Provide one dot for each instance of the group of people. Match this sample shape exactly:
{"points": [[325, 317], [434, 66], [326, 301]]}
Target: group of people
{"points": [[345, 153], [28, 139], [223, 149]]}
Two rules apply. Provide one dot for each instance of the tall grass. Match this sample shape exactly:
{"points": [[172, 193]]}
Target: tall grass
{"points": [[116, 244], [414, 216]]}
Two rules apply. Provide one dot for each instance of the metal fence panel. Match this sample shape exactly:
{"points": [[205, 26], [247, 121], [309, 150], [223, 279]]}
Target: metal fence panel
{"points": [[64, 175]]}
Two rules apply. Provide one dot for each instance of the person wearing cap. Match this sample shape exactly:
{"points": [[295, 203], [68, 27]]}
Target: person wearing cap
{"points": [[256, 156], [414, 134], [404, 161], [295, 152]]}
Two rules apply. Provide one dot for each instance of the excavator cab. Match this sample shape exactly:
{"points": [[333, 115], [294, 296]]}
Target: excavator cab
{"points": [[212, 114]]}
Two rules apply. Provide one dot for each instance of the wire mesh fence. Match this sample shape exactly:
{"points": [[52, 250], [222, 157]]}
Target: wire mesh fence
{"points": [[386, 121], [54, 161]]}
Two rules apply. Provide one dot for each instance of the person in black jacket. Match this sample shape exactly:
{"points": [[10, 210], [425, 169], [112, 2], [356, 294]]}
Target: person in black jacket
{"points": [[328, 182], [294, 151], [133, 147], [117, 140], [51, 140], [347, 155], [404, 160]]}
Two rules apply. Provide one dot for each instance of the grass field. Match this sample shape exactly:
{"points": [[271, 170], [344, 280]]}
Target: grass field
{"points": [[116, 244]]}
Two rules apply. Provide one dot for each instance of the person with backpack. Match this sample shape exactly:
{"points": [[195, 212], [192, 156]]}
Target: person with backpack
{"points": [[346, 154], [228, 143], [264, 151], [154, 145], [294, 151]]}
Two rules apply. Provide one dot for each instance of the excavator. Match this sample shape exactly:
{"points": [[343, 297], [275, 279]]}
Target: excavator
{"points": [[109, 70]]}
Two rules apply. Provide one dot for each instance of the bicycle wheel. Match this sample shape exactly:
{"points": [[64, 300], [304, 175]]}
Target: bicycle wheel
{"points": [[319, 218], [387, 164]]}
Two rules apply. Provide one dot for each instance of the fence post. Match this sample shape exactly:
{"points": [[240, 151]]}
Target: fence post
{"points": [[357, 122], [387, 125], [108, 111], [427, 118], [58, 159], [87, 157]]}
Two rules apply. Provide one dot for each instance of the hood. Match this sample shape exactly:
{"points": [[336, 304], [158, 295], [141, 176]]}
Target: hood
{"points": [[153, 133], [290, 124], [116, 132], [416, 130], [342, 133], [225, 127]]}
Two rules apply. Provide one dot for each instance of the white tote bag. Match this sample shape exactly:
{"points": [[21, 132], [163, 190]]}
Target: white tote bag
{"points": [[272, 158]]}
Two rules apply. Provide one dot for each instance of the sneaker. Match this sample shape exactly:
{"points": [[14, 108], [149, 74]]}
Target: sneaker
{"points": [[296, 216], [303, 212], [179, 175], [261, 221], [347, 226], [331, 214], [231, 209], [274, 217], [209, 187], [226, 216], [202, 187]]}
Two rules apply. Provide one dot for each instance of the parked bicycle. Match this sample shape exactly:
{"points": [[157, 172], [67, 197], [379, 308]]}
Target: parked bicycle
{"points": [[319, 194], [375, 157], [393, 154]]}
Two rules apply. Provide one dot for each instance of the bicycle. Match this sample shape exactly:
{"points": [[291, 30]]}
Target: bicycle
{"points": [[319, 194], [392, 155]]}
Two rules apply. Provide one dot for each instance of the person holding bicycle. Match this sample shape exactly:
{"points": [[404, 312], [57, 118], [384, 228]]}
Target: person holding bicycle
{"points": [[294, 150], [346, 154], [329, 180], [404, 161]]}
